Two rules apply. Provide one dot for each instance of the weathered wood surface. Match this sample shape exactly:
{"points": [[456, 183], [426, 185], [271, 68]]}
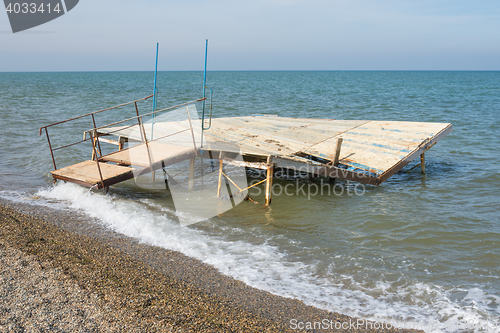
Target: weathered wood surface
{"points": [[86, 173], [171, 131], [379, 147], [155, 152], [276, 135], [373, 146]]}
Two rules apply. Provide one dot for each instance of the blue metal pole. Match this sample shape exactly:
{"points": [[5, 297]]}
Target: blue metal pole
{"points": [[155, 91], [205, 71], [204, 88]]}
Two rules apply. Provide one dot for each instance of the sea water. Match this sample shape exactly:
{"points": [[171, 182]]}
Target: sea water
{"points": [[417, 251]]}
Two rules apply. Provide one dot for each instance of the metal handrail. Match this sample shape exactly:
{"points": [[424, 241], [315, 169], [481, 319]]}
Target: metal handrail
{"points": [[148, 141], [143, 115], [93, 132], [79, 117], [92, 113]]}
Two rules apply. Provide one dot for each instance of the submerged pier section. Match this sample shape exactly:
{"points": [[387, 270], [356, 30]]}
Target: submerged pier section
{"points": [[359, 150]]}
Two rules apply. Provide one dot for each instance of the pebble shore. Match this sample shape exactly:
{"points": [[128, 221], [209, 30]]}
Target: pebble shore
{"points": [[60, 274]]}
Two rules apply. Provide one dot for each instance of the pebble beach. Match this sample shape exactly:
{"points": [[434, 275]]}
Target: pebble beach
{"points": [[59, 276]]}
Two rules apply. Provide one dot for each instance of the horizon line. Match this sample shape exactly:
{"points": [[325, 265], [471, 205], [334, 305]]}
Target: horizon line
{"points": [[264, 70]]}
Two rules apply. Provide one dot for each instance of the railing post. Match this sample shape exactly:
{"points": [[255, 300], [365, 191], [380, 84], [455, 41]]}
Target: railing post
{"points": [[51, 153], [97, 159], [141, 122], [97, 136], [50, 147], [192, 133]]}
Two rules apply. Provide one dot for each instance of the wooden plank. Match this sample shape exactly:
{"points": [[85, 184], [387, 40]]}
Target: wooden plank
{"points": [[424, 146], [297, 164], [254, 165], [87, 174], [113, 142], [163, 163], [161, 129], [325, 170], [158, 151], [378, 145], [302, 131], [251, 142], [262, 133]]}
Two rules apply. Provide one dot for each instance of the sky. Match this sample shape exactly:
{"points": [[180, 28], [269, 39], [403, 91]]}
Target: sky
{"points": [[121, 35]]}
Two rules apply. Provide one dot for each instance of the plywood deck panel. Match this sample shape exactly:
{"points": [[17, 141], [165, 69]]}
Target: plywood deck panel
{"points": [[158, 152], [373, 146], [303, 131], [159, 130], [378, 145], [86, 173], [275, 135], [422, 147]]}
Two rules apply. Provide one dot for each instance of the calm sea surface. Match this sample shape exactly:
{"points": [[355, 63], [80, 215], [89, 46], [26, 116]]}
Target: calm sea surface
{"points": [[420, 250]]}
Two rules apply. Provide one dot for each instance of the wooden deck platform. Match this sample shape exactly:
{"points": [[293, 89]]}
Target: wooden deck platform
{"points": [[360, 150], [138, 156], [87, 174], [371, 151], [135, 159]]}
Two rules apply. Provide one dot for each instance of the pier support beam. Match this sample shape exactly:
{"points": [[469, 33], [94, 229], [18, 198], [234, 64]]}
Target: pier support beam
{"points": [[221, 167], [121, 142], [191, 173], [269, 179], [422, 163], [336, 157]]}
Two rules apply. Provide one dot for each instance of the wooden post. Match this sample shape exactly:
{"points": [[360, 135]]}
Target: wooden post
{"points": [[422, 163], [269, 179], [221, 165], [96, 136], [337, 152], [93, 150], [336, 157], [121, 142], [191, 173]]}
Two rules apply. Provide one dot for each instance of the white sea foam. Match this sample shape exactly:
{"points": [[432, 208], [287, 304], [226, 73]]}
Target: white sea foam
{"points": [[263, 266], [36, 200]]}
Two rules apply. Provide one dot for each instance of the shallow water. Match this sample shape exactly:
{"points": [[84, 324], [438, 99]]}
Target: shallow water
{"points": [[416, 249]]}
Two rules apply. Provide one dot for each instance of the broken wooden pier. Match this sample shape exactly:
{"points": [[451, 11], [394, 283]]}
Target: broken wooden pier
{"points": [[365, 151]]}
